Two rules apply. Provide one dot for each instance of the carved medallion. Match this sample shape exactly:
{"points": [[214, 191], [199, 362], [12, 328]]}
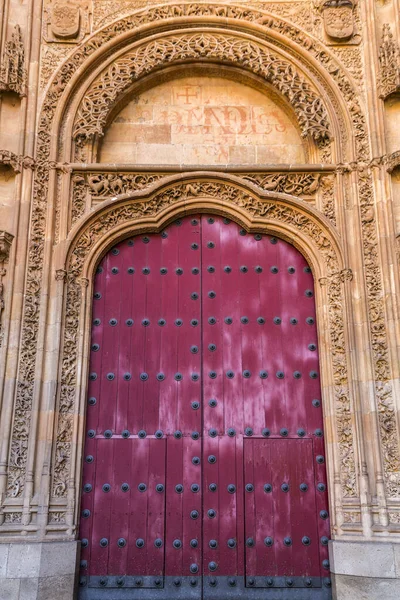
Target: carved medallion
{"points": [[338, 19]]}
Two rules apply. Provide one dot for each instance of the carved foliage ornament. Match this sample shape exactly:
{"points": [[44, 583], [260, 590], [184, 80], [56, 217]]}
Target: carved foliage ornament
{"points": [[389, 62], [127, 213], [308, 106], [5, 245], [23, 401], [12, 67], [390, 441]]}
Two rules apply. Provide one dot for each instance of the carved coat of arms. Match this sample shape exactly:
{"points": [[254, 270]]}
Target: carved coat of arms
{"points": [[338, 19], [66, 21]]}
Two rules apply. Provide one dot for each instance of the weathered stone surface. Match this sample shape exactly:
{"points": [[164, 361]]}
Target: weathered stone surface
{"points": [[347, 587]]}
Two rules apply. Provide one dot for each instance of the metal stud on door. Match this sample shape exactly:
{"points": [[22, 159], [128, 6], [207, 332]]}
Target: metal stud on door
{"points": [[204, 448]]}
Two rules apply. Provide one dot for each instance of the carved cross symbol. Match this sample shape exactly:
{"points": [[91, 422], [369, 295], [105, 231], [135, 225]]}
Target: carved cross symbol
{"points": [[187, 95]]}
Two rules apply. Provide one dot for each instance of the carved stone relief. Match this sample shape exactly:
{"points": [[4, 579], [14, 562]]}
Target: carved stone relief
{"points": [[101, 186], [308, 106], [390, 439], [12, 65], [66, 21], [5, 245], [389, 61], [232, 195], [23, 400], [338, 19], [15, 162]]}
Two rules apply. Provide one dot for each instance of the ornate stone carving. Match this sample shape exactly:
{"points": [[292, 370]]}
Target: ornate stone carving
{"points": [[328, 198], [296, 184], [12, 69], [344, 422], [5, 245], [298, 13], [57, 517], [17, 163], [101, 186], [394, 517], [9, 159], [352, 517], [61, 275], [66, 21], [20, 430], [52, 56], [13, 517], [389, 62], [338, 19], [232, 194], [308, 106], [390, 441], [79, 191], [393, 161]]}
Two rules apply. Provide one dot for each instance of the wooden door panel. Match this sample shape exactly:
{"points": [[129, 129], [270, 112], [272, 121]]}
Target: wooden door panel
{"points": [[203, 389]]}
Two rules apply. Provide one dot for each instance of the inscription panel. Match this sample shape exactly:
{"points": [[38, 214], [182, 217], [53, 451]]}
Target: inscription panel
{"points": [[203, 120]]}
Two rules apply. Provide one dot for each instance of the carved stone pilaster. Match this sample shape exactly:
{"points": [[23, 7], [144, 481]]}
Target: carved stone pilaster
{"points": [[12, 69], [389, 62]]}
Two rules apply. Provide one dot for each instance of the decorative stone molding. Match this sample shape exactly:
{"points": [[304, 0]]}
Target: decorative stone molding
{"points": [[389, 434], [12, 70], [271, 25], [389, 61], [5, 245], [250, 55], [66, 21], [232, 199], [17, 163]]}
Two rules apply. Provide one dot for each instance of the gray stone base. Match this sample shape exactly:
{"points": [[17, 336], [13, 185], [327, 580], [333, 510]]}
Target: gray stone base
{"points": [[48, 570], [365, 570], [39, 571]]}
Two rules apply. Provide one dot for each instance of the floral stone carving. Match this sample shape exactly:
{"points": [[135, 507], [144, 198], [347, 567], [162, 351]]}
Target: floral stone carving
{"points": [[12, 70], [308, 106], [389, 62]]}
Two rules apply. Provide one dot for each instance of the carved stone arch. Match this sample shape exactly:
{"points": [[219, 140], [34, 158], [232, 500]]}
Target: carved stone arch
{"points": [[346, 120], [174, 72], [131, 214], [202, 46], [50, 193]]}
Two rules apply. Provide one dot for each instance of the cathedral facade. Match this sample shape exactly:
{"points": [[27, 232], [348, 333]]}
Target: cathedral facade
{"points": [[199, 300]]}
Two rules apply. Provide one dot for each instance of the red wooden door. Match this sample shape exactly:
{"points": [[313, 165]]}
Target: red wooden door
{"points": [[204, 472]]}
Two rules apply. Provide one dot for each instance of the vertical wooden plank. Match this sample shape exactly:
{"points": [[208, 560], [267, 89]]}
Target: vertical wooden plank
{"points": [[137, 552], [102, 507], [156, 507], [120, 506], [174, 507]]}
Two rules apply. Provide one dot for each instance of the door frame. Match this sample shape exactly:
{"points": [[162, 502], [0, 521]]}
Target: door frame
{"points": [[256, 211]]}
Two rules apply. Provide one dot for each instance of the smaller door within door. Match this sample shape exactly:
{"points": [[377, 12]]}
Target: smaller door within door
{"points": [[286, 529]]}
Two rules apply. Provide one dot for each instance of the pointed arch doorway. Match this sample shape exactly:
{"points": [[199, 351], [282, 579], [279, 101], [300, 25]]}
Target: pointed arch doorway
{"points": [[204, 470]]}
